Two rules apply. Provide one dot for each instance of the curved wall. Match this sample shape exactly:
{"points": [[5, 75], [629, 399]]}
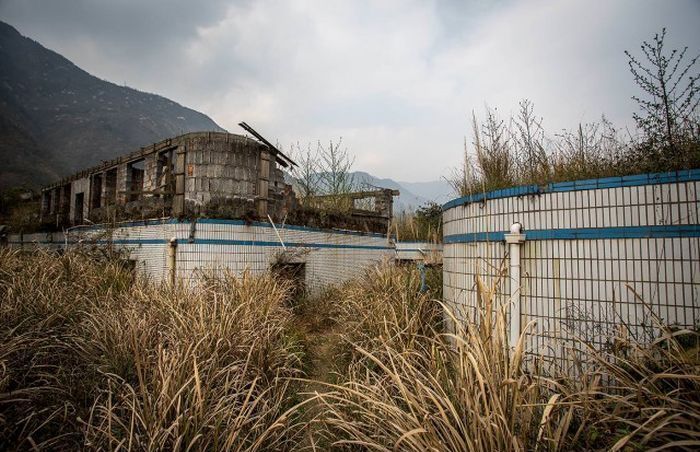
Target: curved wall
{"points": [[329, 256], [596, 253]]}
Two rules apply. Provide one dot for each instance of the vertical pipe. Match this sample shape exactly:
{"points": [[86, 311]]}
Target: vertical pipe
{"points": [[421, 268], [514, 240], [172, 260]]}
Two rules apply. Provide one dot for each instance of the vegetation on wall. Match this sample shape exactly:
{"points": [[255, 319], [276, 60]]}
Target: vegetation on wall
{"points": [[517, 151]]}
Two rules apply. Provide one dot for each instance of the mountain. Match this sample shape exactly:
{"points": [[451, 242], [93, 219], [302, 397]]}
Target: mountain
{"points": [[439, 191], [56, 119]]}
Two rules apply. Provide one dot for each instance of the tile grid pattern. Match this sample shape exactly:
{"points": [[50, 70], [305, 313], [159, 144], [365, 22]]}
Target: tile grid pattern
{"points": [[582, 287], [331, 257]]}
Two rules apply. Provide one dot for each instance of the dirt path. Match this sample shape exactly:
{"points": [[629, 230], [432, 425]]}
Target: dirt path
{"points": [[322, 339]]}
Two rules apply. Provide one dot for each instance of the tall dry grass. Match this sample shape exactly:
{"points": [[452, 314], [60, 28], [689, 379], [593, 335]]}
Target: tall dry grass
{"points": [[412, 385], [92, 357], [423, 224], [516, 150]]}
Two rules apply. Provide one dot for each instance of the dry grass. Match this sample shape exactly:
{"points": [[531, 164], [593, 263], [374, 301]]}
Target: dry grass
{"points": [[94, 358], [423, 224], [516, 150], [410, 385]]}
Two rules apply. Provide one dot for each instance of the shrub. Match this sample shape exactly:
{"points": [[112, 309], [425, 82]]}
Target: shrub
{"points": [[425, 224]]}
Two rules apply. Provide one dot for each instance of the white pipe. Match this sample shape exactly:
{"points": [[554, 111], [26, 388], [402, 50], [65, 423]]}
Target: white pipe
{"points": [[172, 260], [514, 240]]}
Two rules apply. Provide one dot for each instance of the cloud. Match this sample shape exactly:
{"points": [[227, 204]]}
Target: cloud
{"points": [[396, 79]]}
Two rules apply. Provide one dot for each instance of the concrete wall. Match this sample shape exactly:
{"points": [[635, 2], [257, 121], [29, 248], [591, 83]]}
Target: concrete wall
{"points": [[50, 240], [597, 253], [80, 186], [419, 251], [330, 257], [221, 168]]}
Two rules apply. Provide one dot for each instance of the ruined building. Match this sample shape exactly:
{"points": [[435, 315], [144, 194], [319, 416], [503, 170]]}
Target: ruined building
{"points": [[202, 174]]}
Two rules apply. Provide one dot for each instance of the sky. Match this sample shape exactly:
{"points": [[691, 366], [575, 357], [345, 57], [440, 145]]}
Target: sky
{"points": [[398, 80]]}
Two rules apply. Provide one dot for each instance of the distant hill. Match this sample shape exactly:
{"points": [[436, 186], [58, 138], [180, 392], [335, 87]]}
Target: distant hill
{"points": [[439, 191], [56, 118]]}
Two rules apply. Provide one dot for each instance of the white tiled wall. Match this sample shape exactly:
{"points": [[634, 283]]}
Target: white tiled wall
{"points": [[53, 240], [586, 288], [331, 257]]}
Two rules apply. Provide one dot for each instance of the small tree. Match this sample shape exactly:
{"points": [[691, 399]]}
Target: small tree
{"points": [[324, 171], [463, 179], [491, 165], [306, 178], [335, 169], [668, 116], [528, 139], [493, 154], [592, 150]]}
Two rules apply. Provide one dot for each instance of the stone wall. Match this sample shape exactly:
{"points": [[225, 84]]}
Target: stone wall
{"points": [[181, 176]]}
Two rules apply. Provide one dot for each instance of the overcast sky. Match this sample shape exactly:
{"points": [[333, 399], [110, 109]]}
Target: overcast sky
{"points": [[396, 79]]}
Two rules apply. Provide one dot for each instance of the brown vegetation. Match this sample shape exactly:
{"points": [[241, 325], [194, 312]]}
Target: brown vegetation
{"points": [[410, 384], [92, 357], [95, 358], [517, 151], [424, 224]]}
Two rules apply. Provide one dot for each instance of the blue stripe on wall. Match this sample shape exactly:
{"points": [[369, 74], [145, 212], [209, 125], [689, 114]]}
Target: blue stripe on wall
{"points": [[588, 184], [224, 242], [229, 242], [629, 232]]}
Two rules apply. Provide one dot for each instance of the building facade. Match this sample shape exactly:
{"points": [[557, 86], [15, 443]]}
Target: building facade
{"points": [[183, 176]]}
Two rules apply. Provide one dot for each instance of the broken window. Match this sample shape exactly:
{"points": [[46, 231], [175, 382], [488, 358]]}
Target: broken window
{"points": [[367, 203], [135, 172], [55, 195], [165, 168], [79, 205], [65, 202], [111, 187], [46, 202], [96, 192]]}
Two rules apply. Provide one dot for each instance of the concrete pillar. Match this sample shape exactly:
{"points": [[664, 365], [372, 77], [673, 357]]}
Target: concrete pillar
{"points": [[384, 203], [103, 190], [149, 172], [45, 206], [263, 182], [122, 184], [178, 208]]}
